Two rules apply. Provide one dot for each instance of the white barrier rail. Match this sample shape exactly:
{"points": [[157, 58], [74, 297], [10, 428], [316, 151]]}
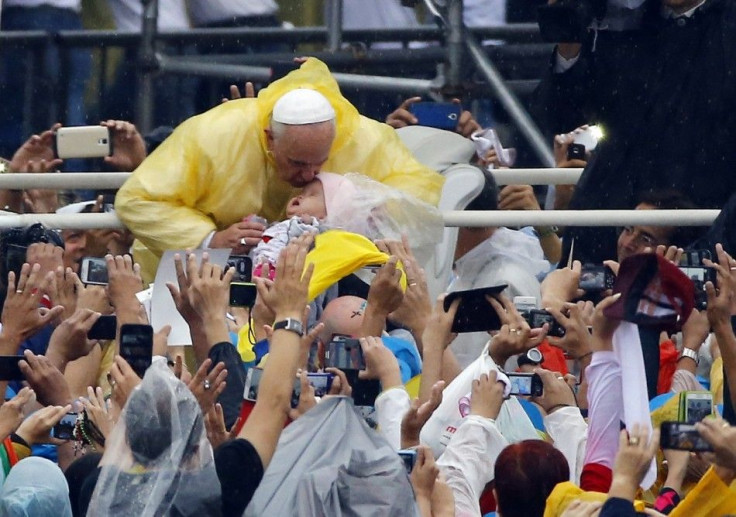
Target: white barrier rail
{"points": [[451, 218], [114, 180]]}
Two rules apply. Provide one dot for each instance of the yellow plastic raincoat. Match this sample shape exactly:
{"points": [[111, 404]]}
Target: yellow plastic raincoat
{"points": [[214, 169]]}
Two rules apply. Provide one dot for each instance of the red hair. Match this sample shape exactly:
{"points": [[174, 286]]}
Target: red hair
{"points": [[525, 474]]}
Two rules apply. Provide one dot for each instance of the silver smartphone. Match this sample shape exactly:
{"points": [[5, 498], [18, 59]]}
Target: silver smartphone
{"points": [[82, 142], [93, 270]]}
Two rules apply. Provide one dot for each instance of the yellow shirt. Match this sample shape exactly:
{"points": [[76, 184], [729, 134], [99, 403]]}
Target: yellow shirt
{"points": [[214, 169]]}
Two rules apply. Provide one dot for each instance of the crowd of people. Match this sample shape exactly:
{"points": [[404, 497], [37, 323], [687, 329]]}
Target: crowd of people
{"points": [[595, 387]]}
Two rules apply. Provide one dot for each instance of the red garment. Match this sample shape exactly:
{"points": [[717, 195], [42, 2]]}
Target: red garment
{"points": [[554, 358], [596, 478], [667, 366]]}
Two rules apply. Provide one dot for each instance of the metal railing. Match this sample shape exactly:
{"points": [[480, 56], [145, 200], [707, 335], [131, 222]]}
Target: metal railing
{"points": [[451, 217]]}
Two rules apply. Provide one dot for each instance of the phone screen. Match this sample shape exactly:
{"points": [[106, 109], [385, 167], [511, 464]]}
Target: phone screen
{"points": [[252, 382], [695, 406], [64, 430], [243, 266], [93, 271], [136, 347], [105, 327], [321, 382], [525, 384], [9, 369], [345, 354], [242, 294], [683, 437]]}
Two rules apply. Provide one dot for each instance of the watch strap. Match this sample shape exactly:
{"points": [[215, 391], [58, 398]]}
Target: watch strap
{"points": [[291, 324], [692, 354]]}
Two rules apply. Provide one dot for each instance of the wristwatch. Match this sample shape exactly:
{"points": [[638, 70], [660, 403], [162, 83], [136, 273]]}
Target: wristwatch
{"points": [[291, 324], [692, 354]]}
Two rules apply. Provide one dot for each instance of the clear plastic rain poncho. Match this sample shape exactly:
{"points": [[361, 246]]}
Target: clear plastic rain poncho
{"points": [[35, 487], [158, 460], [379, 211]]}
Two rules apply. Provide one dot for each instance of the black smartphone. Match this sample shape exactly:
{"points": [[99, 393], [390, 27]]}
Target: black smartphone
{"points": [[441, 115], [104, 328], [242, 294], [93, 270], [594, 278], [243, 266], [538, 317], [475, 313], [409, 458], [9, 368], [683, 437], [526, 384], [576, 152], [344, 353], [136, 346], [64, 430], [691, 263]]}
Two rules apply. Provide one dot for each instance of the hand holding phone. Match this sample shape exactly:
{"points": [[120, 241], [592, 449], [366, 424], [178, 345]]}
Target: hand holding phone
{"points": [[82, 142], [64, 430], [683, 437], [526, 384], [93, 271], [475, 313]]}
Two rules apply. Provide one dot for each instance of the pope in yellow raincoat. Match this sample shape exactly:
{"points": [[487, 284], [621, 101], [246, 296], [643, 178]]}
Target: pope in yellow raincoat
{"points": [[216, 168]]}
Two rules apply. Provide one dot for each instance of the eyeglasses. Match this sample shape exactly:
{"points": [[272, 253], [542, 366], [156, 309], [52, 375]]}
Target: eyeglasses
{"points": [[643, 239]]}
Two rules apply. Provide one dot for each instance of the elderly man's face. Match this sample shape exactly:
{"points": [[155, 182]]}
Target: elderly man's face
{"points": [[301, 151]]}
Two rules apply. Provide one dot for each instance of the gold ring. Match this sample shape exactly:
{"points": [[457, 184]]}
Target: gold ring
{"points": [[634, 440]]}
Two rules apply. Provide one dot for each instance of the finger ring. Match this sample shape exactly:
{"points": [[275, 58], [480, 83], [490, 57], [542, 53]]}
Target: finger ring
{"points": [[242, 241], [207, 384], [412, 284], [560, 378], [19, 291], [634, 440], [725, 424], [514, 331], [113, 382], [733, 268]]}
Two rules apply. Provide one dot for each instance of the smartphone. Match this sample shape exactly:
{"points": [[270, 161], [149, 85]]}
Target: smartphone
{"points": [[105, 327], [538, 317], [441, 115], [321, 382], [576, 152], [108, 203], [525, 304], [252, 382], [64, 430], [243, 266], [136, 346], [475, 313], [93, 271], [526, 384], [695, 406], [588, 138], [409, 458], [82, 142], [242, 294], [594, 279], [683, 437], [344, 353], [691, 263], [9, 369]]}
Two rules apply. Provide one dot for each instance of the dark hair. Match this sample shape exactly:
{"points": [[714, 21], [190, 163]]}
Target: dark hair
{"points": [[526, 473], [671, 199], [487, 199]]}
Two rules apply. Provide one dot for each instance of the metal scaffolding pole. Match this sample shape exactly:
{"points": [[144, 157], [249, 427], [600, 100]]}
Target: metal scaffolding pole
{"points": [[509, 101], [333, 19], [148, 64]]}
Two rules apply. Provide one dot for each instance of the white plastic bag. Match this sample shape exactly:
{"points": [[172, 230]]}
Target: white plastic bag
{"points": [[512, 421]]}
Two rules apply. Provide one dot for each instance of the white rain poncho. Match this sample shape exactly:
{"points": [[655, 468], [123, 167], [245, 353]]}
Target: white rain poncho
{"points": [[158, 460]]}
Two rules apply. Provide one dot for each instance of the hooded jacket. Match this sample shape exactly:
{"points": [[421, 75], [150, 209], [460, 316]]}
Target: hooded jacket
{"points": [[214, 169]]}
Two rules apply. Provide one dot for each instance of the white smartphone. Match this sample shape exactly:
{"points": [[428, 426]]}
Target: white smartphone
{"points": [[82, 142], [589, 137], [93, 270]]}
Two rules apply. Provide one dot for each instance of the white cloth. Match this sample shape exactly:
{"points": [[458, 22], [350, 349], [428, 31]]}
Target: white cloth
{"points": [[212, 11], [128, 15], [469, 460], [75, 5], [506, 257], [604, 408], [379, 14], [626, 344], [484, 13], [569, 432], [278, 235], [391, 406]]}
